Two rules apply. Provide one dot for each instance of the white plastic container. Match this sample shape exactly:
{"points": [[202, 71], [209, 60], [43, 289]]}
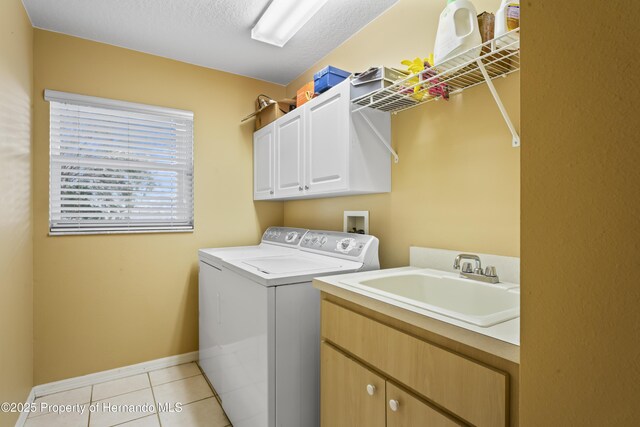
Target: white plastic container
{"points": [[457, 31], [507, 19]]}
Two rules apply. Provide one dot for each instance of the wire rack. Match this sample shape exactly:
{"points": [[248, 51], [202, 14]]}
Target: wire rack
{"points": [[495, 58]]}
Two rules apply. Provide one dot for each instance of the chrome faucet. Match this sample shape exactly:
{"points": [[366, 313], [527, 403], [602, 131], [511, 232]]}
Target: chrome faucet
{"points": [[489, 274], [476, 258]]}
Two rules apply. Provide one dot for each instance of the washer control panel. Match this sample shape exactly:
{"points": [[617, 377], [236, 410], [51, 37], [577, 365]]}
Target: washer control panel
{"points": [[335, 242], [284, 235]]}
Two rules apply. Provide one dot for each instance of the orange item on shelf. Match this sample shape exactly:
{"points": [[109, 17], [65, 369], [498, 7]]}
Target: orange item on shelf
{"points": [[305, 93]]}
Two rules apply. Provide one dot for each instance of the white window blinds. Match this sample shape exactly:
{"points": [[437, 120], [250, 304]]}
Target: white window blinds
{"points": [[118, 167]]}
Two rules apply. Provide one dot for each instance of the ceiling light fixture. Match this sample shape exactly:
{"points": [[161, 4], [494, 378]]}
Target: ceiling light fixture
{"points": [[283, 19]]}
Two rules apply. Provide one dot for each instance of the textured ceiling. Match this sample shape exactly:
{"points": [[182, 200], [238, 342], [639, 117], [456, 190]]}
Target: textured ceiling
{"points": [[210, 33]]}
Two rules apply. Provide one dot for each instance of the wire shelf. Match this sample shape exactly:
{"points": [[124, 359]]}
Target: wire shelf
{"points": [[499, 57]]}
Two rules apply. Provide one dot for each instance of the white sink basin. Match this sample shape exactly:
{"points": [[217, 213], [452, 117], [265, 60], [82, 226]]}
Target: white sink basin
{"points": [[467, 300]]}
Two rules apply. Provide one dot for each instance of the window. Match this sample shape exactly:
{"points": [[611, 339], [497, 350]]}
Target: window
{"points": [[118, 167]]}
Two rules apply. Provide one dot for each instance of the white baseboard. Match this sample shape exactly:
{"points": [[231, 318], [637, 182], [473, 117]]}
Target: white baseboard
{"points": [[114, 374], [99, 377]]}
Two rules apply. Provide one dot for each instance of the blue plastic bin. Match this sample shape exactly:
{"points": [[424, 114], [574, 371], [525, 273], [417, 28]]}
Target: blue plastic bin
{"points": [[328, 77]]}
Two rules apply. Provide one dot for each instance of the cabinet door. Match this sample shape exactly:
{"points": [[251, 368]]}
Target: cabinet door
{"points": [[289, 152], [404, 410], [345, 398], [327, 141], [263, 162]]}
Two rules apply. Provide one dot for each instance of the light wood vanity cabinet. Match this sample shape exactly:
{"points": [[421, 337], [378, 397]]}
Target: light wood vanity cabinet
{"points": [[447, 389], [352, 395]]}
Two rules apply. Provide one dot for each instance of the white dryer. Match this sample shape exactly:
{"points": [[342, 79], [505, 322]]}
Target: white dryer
{"points": [[260, 325]]}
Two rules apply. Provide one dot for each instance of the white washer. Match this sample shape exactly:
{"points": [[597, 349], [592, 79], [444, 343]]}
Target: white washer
{"points": [[260, 326]]}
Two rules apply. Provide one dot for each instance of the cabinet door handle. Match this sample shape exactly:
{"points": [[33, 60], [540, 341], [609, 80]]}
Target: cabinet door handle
{"points": [[394, 405], [271, 192], [306, 187], [371, 389], [299, 188]]}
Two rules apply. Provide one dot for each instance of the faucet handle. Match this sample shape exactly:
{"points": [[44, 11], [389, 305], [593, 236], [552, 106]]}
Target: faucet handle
{"points": [[490, 271], [466, 267]]}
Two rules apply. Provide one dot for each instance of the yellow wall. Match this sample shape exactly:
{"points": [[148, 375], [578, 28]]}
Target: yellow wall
{"points": [[16, 250], [107, 301], [580, 328], [457, 185]]}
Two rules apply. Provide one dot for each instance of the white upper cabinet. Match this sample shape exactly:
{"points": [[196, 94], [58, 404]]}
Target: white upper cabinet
{"points": [[289, 155], [327, 141], [321, 149], [263, 164]]}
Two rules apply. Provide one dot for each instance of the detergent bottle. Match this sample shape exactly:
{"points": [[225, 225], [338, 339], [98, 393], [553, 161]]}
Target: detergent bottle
{"points": [[507, 19], [457, 31]]}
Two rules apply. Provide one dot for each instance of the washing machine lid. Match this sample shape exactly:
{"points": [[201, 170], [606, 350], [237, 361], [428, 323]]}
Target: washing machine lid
{"points": [[239, 252], [288, 269], [290, 265]]}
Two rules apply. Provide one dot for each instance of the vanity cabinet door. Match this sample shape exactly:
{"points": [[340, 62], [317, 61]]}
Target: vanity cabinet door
{"points": [[351, 395], [404, 410]]}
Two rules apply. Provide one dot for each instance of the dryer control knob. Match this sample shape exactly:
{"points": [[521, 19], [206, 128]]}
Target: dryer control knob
{"points": [[346, 244], [291, 236]]}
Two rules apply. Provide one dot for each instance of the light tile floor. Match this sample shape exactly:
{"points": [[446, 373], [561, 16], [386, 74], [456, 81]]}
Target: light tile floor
{"points": [[150, 393]]}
